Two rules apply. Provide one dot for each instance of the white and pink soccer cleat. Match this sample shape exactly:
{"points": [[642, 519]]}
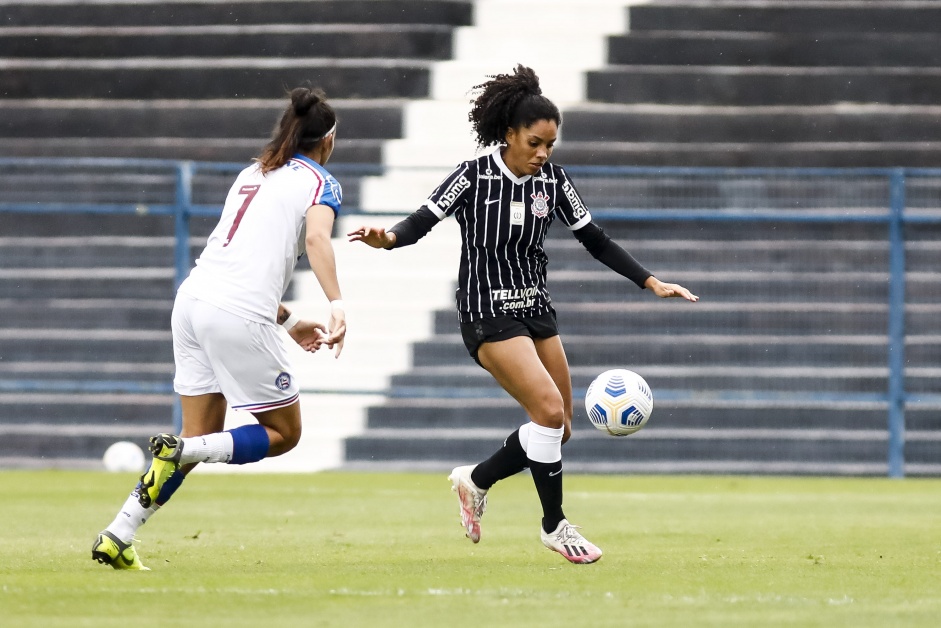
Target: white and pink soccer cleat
{"points": [[472, 499], [567, 541]]}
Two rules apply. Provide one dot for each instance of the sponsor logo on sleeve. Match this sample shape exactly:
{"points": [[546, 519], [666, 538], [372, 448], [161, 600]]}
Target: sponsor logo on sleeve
{"points": [[454, 190], [578, 207]]}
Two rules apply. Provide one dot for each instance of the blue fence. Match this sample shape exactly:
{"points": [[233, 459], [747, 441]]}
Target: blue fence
{"points": [[904, 198]]}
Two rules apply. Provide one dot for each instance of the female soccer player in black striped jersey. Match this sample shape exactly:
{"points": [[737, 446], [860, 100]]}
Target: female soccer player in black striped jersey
{"points": [[505, 201]]}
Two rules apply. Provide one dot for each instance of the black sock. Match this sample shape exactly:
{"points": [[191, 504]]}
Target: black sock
{"points": [[508, 460], [547, 477]]}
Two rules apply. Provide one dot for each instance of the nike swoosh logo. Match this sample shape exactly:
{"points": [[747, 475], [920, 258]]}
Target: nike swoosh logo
{"points": [[552, 475], [493, 201]]}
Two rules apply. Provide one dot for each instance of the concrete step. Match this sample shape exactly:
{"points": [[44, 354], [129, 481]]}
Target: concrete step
{"points": [[726, 284], [743, 48], [721, 350], [753, 155], [708, 411], [118, 313], [648, 446], [193, 119], [567, 253], [466, 381], [123, 410], [201, 78], [658, 317], [242, 12], [109, 345], [738, 125], [120, 252], [780, 16], [764, 85], [87, 283], [341, 41], [241, 150]]}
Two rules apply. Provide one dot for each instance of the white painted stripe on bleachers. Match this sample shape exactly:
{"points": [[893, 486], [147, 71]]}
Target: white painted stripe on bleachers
{"points": [[46, 333], [91, 304], [220, 29], [83, 399], [82, 429], [163, 368], [649, 433], [212, 104], [69, 241], [74, 274], [204, 63]]}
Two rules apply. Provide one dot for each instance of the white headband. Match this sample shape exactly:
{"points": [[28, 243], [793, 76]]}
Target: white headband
{"points": [[328, 133]]}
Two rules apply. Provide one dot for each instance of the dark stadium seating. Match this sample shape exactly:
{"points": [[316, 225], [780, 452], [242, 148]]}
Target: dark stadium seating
{"points": [[206, 80], [85, 298], [769, 83], [780, 368]]}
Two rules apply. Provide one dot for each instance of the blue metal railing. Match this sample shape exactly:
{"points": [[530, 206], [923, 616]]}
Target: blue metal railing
{"points": [[894, 215]]}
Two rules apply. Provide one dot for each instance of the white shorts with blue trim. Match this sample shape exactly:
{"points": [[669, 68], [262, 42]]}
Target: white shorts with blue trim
{"points": [[217, 351]]}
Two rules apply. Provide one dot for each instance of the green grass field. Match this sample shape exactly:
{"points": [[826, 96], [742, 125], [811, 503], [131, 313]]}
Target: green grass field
{"points": [[351, 549]]}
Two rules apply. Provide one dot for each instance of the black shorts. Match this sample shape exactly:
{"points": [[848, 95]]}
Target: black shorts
{"points": [[506, 327]]}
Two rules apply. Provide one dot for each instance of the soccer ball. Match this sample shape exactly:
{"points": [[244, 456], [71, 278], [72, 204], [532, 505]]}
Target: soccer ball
{"points": [[619, 402], [124, 456]]}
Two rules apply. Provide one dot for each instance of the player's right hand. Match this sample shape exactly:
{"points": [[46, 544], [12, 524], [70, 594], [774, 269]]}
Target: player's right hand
{"points": [[376, 237]]}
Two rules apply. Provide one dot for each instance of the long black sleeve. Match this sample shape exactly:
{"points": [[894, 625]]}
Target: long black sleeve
{"points": [[610, 253], [413, 228]]}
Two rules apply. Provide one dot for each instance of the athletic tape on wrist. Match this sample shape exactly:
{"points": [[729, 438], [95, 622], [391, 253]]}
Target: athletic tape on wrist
{"points": [[337, 304], [292, 320]]}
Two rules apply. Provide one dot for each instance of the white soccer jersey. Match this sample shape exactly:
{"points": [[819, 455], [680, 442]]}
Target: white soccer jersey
{"points": [[250, 256]]}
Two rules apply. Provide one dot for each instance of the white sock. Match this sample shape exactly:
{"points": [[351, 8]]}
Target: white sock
{"points": [[209, 448], [545, 443], [131, 516]]}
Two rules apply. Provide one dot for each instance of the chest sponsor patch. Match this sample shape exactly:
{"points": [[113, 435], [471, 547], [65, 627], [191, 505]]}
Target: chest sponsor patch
{"points": [[540, 207], [517, 209]]}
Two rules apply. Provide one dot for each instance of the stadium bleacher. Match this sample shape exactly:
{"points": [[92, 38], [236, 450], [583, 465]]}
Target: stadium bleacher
{"points": [[85, 298], [791, 314]]}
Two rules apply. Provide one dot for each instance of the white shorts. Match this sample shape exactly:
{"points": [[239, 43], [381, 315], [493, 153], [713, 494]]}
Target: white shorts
{"points": [[216, 351]]}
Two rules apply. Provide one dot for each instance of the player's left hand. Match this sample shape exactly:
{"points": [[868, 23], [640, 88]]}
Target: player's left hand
{"points": [[310, 335], [337, 334], [668, 290]]}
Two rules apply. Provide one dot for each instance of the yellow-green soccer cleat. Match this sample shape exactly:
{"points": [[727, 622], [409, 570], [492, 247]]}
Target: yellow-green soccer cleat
{"points": [[167, 450], [110, 550]]}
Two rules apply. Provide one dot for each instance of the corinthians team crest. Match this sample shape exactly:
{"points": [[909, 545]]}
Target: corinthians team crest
{"points": [[540, 205]]}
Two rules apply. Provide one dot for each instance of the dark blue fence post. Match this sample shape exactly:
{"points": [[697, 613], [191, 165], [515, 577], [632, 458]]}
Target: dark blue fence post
{"points": [[896, 345], [181, 215]]}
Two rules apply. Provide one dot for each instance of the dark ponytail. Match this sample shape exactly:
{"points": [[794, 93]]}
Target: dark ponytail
{"points": [[508, 101], [305, 122]]}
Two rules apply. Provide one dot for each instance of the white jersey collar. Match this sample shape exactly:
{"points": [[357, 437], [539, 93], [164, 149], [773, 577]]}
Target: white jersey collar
{"points": [[497, 157]]}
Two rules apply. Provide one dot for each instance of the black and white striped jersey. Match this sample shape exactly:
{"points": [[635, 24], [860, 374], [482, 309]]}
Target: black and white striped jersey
{"points": [[504, 220]]}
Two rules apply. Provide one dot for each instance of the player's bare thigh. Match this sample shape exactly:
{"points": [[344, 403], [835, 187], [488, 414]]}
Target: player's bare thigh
{"points": [[284, 428], [517, 367]]}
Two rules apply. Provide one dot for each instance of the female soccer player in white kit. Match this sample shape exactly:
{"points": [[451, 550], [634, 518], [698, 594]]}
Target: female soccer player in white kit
{"points": [[505, 201], [226, 345]]}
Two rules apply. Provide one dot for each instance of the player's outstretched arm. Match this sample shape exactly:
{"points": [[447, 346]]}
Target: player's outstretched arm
{"points": [[376, 237], [323, 263], [667, 290]]}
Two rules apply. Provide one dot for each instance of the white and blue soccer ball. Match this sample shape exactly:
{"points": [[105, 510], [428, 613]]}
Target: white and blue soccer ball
{"points": [[619, 402], [124, 456]]}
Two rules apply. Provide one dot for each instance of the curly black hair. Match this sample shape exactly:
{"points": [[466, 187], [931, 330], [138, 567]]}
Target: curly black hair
{"points": [[508, 101]]}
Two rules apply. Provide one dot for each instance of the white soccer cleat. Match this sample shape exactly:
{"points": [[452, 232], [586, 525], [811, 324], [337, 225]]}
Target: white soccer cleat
{"points": [[472, 499], [567, 541]]}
